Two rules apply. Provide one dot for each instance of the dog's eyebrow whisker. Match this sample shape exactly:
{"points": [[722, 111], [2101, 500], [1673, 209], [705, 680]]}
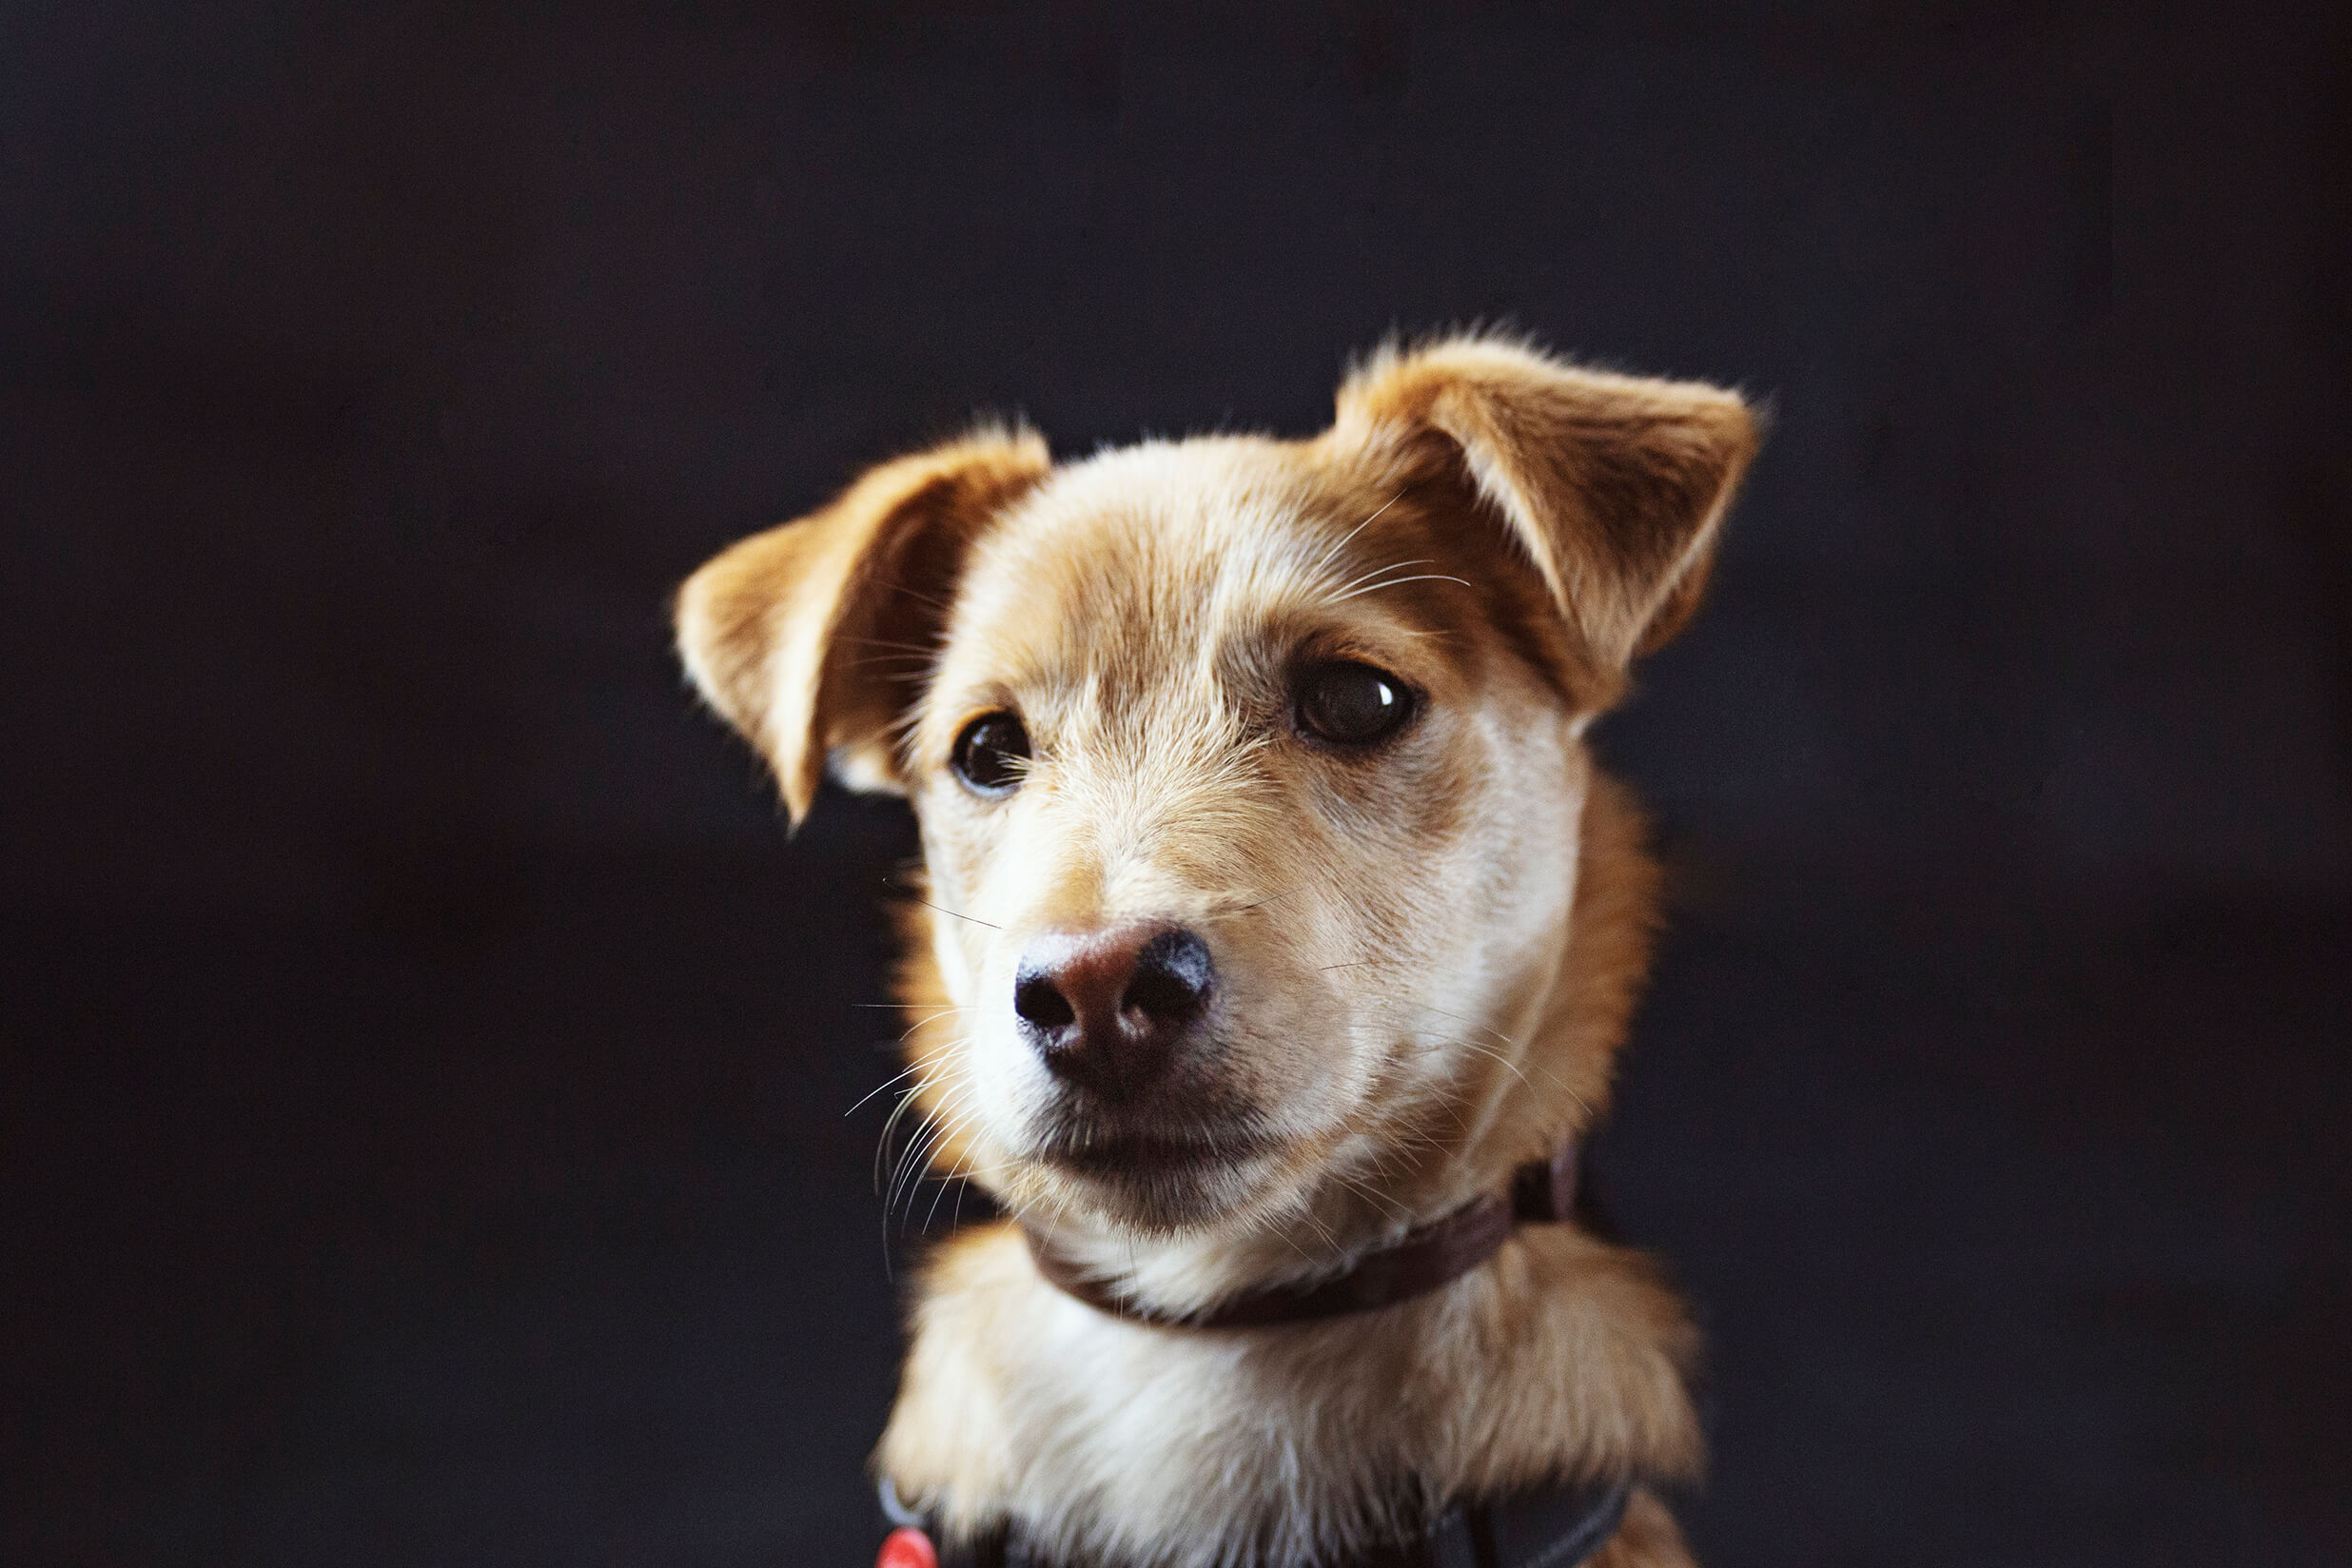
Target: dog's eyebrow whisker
{"points": [[1399, 582], [1333, 553], [1264, 902], [1341, 592]]}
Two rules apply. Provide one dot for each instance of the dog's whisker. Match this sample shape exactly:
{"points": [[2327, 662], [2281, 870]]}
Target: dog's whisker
{"points": [[880, 661], [906, 1100], [1449, 1100], [1333, 553], [898, 1167], [1389, 1207], [919, 597], [1473, 1045], [960, 916], [926, 648], [960, 1179], [1271, 1224], [1496, 1055], [942, 1123], [886, 1082], [1270, 1227], [1399, 582], [932, 1214], [926, 1022], [962, 1119], [913, 1161], [1341, 592], [1459, 1018], [882, 1144]]}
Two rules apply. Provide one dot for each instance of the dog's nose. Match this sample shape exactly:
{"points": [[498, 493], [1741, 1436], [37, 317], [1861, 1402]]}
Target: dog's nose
{"points": [[1107, 1009]]}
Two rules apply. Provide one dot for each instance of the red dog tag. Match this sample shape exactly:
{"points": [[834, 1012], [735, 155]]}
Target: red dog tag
{"points": [[906, 1548]]}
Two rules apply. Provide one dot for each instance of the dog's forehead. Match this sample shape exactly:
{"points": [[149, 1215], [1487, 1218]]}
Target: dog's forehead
{"points": [[1168, 550]]}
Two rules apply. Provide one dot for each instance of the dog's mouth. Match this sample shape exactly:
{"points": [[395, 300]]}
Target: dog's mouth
{"points": [[1113, 1157], [1156, 1178]]}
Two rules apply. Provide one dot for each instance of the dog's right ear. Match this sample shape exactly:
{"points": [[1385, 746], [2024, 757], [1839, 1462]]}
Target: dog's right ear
{"points": [[1613, 487], [809, 637]]}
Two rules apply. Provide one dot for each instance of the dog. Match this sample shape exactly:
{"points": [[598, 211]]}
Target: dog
{"points": [[1277, 930]]}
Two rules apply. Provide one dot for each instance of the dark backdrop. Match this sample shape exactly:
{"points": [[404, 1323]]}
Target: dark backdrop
{"points": [[424, 1061]]}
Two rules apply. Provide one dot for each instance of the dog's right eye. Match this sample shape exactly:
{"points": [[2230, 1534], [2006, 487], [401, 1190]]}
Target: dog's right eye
{"points": [[1351, 705], [990, 753]]}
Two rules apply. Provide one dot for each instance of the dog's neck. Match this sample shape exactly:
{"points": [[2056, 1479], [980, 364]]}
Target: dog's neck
{"points": [[1333, 1232], [1427, 1258]]}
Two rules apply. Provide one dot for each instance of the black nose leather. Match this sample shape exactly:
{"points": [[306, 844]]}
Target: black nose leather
{"points": [[1106, 1009]]}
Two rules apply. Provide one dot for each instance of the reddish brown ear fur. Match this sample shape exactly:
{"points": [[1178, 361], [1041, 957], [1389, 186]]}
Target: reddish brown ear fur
{"points": [[807, 637], [1614, 485]]}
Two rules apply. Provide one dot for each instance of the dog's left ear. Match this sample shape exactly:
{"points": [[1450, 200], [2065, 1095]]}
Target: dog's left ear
{"points": [[1613, 485], [808, 638]]}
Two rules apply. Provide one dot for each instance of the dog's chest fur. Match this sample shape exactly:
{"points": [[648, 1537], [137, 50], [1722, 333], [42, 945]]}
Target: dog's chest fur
{"points": [[1108, 1441]]}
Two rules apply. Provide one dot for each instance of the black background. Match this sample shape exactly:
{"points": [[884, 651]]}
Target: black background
{"points": [[424, 1063]]}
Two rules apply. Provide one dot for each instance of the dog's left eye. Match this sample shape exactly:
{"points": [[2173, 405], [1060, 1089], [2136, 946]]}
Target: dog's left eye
{"points": [[989, 752], [1351, 705]]}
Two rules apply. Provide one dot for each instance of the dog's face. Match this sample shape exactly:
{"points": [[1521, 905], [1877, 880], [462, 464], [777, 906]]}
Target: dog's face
{"points": [[1249, 772], [1238, 730]]}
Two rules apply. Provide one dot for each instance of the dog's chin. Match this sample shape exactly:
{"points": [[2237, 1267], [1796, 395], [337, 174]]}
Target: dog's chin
{"points": [[1160, 1185]]}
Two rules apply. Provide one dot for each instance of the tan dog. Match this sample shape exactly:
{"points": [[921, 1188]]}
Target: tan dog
{"points": [[1276, 909]]}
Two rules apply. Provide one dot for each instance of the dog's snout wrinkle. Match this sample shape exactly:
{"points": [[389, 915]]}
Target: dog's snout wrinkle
{"points": [[1106, 1009]]}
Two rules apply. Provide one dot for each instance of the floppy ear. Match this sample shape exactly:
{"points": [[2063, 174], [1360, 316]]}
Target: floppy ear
{"points": [[808, 638], [1613, 485]]}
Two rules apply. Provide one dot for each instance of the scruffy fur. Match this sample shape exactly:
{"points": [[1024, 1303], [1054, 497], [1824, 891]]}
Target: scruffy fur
{"points": [[1425, 953]]}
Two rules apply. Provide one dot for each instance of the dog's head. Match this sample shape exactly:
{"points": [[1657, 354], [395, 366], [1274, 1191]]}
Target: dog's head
{"points": [[1249, 772]]}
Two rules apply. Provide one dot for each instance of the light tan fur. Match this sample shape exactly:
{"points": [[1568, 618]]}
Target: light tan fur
{"points": [[1425, 956]]}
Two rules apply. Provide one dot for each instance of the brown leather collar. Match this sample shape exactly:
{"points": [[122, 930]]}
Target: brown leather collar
{"points": [[1443, 1250]]}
